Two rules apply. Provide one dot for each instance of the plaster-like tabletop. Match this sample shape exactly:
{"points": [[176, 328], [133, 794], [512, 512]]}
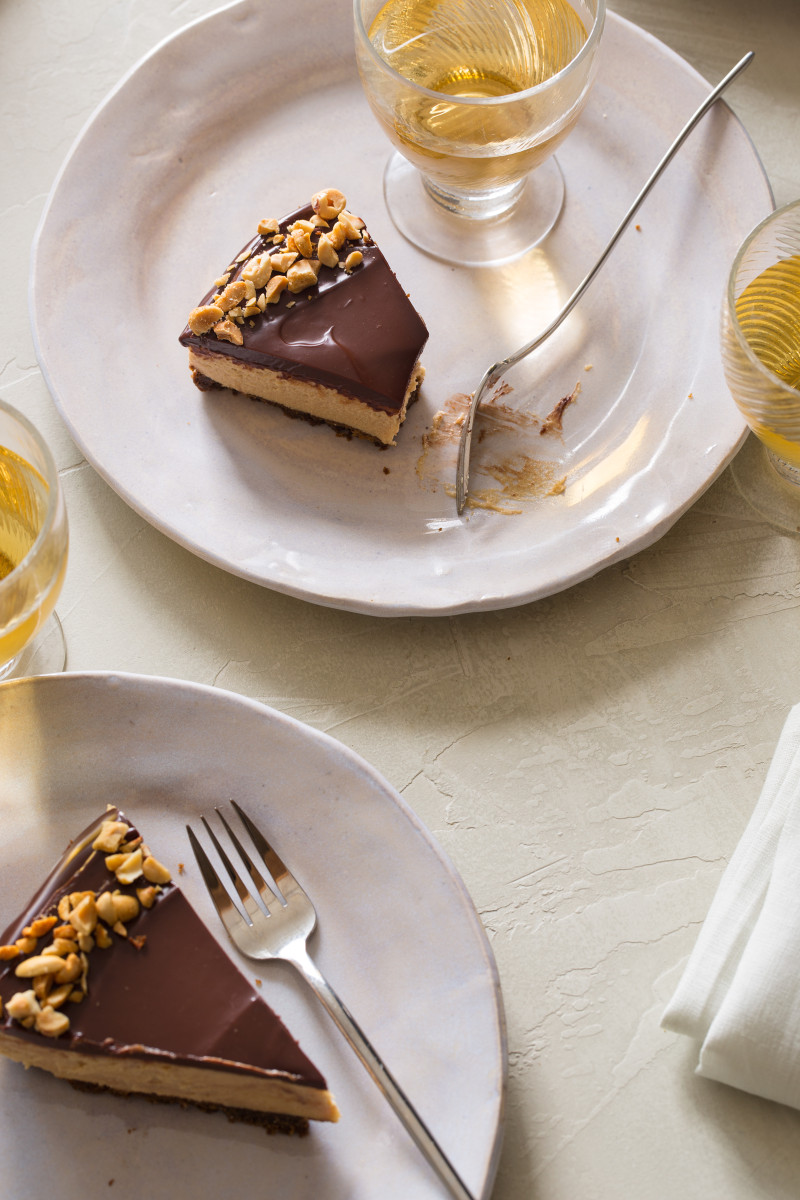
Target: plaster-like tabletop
{"points": [[588, 761]]}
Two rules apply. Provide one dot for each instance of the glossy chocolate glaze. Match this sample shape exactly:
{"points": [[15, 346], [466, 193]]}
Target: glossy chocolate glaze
{"points": [[356, 333], [178, 998]]}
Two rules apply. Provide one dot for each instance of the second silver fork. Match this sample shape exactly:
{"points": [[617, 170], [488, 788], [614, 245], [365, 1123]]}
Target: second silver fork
{"points": [[282, 932]]}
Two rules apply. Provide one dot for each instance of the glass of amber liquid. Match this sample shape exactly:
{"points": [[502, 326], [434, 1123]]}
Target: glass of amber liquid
{"points": [[475, 95], [33, 551], [761, 359]]}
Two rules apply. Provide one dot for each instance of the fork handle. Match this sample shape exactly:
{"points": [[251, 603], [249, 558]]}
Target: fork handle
{"points": [[299, 957]]}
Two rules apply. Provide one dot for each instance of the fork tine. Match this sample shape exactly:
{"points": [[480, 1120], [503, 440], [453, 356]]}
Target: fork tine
{"points": [[229, 915], [259, 882], [277, 868], [241, 891]]}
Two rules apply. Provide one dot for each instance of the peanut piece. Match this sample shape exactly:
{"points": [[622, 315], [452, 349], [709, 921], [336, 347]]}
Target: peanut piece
{"points": [[281, 262], [60, 946], [326, 251], [258, 270], [328, 203], [276, 285], [226, 331], [300, 276], [300, 240], [70, 969], [84, 916], [22, 1006], [234, 293], [39, 927], [125, 907], [338, 235], [51, 1023], [105, 908], [131, 867], [155, 872], [147, 896], [103, 938], [204, 318], [113, 833], [42, 986], [352, 223], [59, 995], [39, 964]]}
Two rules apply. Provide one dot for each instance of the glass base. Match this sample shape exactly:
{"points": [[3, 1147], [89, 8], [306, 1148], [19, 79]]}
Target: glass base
{"points": [[771, 489], [46, 654], [473, 242]]}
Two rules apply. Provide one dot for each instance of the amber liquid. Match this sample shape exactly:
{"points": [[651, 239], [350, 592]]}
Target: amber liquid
{"points": [[23, 507], [768, 312], [475, 50]]}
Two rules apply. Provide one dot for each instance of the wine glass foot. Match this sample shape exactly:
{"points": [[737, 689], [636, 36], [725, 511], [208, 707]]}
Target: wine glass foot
{"points": [[45, 654], [473, 242], [769, 491]]}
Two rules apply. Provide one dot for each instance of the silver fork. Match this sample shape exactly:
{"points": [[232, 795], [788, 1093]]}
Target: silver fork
{"points": [[496, 372], [283, 934]]}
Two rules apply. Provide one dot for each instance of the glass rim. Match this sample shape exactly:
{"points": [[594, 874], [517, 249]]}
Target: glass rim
{"points": [[730, 299], [486, 101], [54, 494]]}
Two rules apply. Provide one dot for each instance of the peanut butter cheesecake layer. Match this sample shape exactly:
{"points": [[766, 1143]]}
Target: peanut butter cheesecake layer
{"points": [[110, 980], [310, 316]]}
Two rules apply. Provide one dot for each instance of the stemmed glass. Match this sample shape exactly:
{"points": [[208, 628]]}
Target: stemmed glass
{"points": [[33, 551], [761, 359], [476, 96]]}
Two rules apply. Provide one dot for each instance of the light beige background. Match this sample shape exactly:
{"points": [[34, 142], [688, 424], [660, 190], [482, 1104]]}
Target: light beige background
{"points": [[588, 761]]}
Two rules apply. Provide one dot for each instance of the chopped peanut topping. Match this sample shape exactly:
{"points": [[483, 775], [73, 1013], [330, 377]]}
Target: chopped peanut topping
{"points": [[204, 318], [113, 833], [227, 332]]}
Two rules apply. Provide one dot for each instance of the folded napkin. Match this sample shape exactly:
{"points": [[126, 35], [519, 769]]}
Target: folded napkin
{"points": [[740, 991]]}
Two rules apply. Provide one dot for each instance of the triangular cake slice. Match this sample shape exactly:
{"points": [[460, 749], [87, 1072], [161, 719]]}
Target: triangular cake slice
{"points": [[310, 316], [110, 980]]}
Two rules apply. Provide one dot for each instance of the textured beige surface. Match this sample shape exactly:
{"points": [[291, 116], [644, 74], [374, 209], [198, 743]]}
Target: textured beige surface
{"points": [[588, 761]]}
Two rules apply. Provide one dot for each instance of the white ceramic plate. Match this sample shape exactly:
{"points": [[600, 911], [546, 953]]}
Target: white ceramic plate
{"points": [[245, 114], [398, 938]]}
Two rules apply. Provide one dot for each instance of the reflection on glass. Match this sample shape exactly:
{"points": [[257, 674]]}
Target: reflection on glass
{"points": [[33, 550], [761, 357]]}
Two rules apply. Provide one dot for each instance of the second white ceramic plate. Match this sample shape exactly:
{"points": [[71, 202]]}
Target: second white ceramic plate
{"points": [[397, 937], [238, 117]]}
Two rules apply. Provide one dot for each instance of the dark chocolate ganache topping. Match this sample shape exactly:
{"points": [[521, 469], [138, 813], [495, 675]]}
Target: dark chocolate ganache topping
{"points": [[165, 991], [355, 331]]}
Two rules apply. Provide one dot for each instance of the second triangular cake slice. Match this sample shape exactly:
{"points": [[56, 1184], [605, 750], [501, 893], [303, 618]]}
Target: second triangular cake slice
{"points": [[110, 980]]}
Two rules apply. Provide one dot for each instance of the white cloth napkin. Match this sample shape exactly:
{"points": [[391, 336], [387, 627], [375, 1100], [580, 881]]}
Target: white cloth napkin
{"points": [[740, 991]]}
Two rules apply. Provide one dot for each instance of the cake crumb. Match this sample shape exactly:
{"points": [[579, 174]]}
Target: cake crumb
{"points": [[553, 422]]}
